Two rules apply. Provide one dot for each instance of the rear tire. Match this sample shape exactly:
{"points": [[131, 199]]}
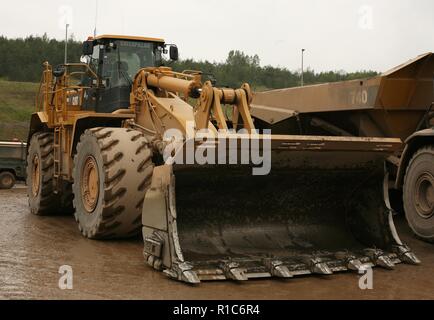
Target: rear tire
{"points": [[112, 172], [40, 173], [7, 180], [419, 194]]}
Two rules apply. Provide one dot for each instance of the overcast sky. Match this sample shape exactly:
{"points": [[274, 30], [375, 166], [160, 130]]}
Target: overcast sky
{"points": [[337, 34]]}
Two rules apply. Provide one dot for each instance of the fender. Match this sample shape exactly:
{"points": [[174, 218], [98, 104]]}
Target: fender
{"points": [[38, 122], [94, 120]]}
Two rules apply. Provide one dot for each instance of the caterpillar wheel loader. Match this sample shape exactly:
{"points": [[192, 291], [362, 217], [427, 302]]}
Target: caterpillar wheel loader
{"points": [[397, 103], [127, 145]]}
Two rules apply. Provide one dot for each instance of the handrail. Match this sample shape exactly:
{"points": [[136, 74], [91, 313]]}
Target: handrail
{"points": [[86, 66], [54, 98], [38, 96]]}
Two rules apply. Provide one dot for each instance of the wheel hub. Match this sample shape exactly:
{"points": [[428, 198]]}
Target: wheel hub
{"points": [[425, 196], [36, 175], [7, 180], [90, 184]]}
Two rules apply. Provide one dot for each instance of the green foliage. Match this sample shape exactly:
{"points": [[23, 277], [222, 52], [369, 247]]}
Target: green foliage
{"points": [[22, 59]]}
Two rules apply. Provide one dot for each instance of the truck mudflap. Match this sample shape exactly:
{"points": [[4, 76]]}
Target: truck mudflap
{"points": [[319, 211]]}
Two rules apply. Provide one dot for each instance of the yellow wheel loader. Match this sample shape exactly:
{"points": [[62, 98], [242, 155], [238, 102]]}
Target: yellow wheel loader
{"points": [[397, 103], [131, 147]]}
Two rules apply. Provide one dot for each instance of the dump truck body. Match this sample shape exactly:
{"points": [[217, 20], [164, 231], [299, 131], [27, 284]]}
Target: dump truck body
{"points": [[398, 103], [389, 105], [211, 202]]}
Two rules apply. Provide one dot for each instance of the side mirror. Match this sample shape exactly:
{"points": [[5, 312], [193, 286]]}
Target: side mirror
{"points": [[174, 54], [59, 71], [87, 48]]}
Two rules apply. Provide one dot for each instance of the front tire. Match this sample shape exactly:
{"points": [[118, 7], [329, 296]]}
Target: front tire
{"points": [[419, 194], [112, 172]]}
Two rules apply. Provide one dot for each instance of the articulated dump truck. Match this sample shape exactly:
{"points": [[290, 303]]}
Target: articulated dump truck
{"points": [[107, 142], [395, 104]]}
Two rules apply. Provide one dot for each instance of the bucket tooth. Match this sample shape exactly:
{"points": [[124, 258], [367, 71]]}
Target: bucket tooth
{"points": [[405, 255], [190, 276], [385, 262], [282, 272], [379, 258], [318, 266], [277, 269], [233, 271], [410, 258], [183, 272], [355, 265], [351, 261]]}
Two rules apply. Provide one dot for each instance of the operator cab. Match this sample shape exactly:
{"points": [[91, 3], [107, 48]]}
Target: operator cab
{"points": [[116, 60]]}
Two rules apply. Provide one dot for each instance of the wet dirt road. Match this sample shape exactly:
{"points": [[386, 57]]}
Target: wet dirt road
{"points": [[33, 248]]}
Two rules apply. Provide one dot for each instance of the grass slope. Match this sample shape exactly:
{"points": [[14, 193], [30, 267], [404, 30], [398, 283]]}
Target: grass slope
{"points": [[17, 102]]}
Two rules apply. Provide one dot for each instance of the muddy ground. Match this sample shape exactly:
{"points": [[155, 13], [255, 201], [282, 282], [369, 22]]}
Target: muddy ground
{"points": [[33, 248]]}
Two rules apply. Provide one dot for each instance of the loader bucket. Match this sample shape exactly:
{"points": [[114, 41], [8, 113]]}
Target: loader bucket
{"points": [[323, 208]]}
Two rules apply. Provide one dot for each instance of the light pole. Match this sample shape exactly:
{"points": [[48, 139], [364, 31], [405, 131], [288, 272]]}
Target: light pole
{"points": [[66, 44], [302, 66]]}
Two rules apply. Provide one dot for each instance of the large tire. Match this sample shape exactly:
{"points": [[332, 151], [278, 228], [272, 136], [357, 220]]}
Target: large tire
{"points": [[7, 180], [419, 193], [112, 172], [40, 173]]}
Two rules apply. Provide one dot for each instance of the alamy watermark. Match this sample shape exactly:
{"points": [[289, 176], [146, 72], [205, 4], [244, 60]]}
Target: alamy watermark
{"points": [[366, 280], [66, 279], [366, 17], [223, 147], [66, 17]]}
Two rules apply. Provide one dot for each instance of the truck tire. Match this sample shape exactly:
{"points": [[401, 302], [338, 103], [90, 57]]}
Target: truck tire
{"points": [[112, 172], [419, 193], [7, 180], [40, 172]]}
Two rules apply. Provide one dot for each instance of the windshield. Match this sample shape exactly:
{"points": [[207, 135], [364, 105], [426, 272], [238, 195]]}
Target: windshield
{"points": [[127, 57], [137, 55]]}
